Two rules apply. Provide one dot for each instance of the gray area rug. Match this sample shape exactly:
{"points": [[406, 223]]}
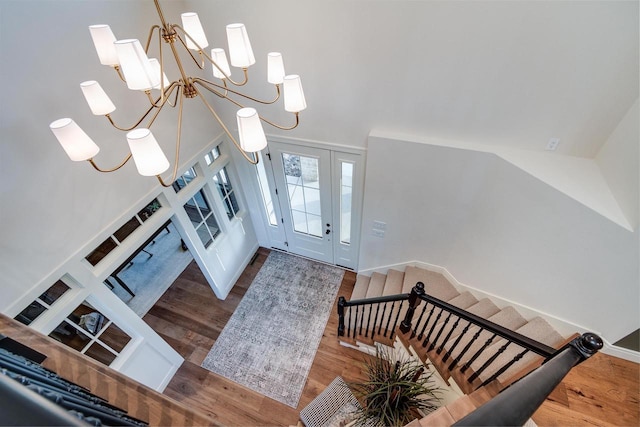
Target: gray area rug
{"points": [[271, 339]]}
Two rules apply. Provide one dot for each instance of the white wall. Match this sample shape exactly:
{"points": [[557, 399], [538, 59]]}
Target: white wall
{"points": [[618, 160], [514, 73], [499, 229]]}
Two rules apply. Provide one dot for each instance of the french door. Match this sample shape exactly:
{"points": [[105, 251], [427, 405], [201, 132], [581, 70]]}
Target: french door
{"points": [[319, 213]]}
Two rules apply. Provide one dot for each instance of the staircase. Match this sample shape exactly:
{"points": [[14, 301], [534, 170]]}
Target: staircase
{"points": [[476, 360]]}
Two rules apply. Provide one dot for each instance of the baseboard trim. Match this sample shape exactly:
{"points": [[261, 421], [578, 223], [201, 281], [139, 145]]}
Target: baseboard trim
{"points": [[620, 352]]}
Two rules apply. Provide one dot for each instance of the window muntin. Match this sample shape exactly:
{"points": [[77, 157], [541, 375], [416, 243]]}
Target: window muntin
{"points": [[346, 192], [42, 303], [184, 179], [91, 333], [226, 191], [122, 233], [265, 191], [202, 218]]}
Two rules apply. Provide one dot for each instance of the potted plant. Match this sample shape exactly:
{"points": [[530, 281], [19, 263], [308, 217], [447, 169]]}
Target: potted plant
{"points": [[396, 390]]}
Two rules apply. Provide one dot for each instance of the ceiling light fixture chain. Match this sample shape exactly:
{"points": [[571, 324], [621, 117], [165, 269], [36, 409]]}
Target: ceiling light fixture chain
{"points": [[141, 73]]}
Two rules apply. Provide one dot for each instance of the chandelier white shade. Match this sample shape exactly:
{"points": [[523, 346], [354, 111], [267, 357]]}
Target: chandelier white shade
{"points": [[135, 64], [147, 155], [74, 141], [220, 59], [294, 100], [250, 130], [103, 40], [193, 27], [275, 68], [97, 98], [240, 50], [144, 74]]}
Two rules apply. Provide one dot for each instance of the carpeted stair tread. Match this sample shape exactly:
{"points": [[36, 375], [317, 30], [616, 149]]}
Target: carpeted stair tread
{"points": [[537, 329], [360, 288], [464, 300], [376, 285], [435, 284], [508, 317], [484, 308], [393, 284]]}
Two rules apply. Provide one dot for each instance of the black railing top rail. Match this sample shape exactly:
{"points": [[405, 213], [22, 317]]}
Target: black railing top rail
{"points": [[364, 301], [518, 402], [519, 339]]}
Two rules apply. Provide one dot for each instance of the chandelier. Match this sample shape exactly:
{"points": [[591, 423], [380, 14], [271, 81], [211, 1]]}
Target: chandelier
{"points": [[144, 74]]}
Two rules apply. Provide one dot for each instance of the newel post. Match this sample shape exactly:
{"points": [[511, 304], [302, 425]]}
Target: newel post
{"points": [[341, 302], [414, 301]]}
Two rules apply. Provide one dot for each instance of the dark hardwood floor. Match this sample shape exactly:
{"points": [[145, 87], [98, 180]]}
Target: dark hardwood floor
{"points": [[602, 391]]}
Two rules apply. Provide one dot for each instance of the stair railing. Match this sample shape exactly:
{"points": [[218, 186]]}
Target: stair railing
{"points": [[466, 328], [370, 317], [518, 402]]}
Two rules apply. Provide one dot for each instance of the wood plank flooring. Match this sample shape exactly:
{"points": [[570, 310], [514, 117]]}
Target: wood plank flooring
{"points": [[602, 391], [190, 318]]}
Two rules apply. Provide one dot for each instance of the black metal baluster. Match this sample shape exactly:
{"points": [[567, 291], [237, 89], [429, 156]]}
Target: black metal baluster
{"points": [[341, 302], [466, 348], [384, 309], [424, 327], [393, 331], [486, 364], [349, 323], [389, 319], [455, 344], [415, 329], [435, 322], [366, 331], [446, 339], [475, 356], [433, 343], [375, 320], [505, 367]]}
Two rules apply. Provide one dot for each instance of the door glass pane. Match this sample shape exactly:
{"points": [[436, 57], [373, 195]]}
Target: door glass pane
{"points": [[266, 193], [302, 176], [346, 185], [314, 222]]}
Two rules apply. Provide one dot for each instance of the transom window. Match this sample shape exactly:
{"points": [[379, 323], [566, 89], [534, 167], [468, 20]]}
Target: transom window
{"points": [[122, 233], [199, 211], [223, 184], [184, 179], [212, 155], [42, 303]]}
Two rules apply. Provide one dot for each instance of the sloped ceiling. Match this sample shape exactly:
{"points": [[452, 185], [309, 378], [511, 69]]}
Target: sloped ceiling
{"points": [[512, 73]]}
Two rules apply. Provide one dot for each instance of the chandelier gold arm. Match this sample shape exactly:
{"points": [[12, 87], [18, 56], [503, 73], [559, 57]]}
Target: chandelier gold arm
{"points": [[151, 30], [178, 140], [203, 83], [99, 169], [254, 159], [119, 71], [206, 83], [154, 105]]}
